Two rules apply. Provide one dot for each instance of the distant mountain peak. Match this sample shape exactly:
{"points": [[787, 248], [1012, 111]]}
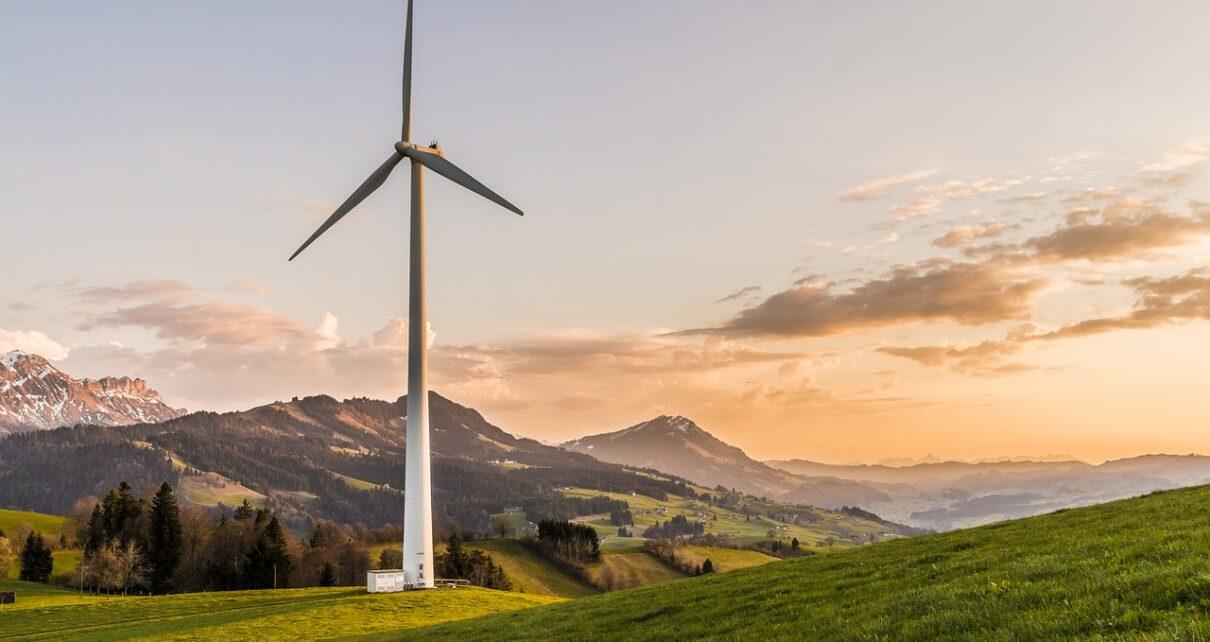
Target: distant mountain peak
{"points": [[35, 395], [675, 444]]}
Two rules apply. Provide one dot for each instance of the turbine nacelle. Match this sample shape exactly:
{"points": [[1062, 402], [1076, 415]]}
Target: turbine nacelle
{"points": [[404, 147]]}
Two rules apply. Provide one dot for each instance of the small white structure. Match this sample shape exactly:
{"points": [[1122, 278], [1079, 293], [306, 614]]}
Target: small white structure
{"points": [[391, 581]]}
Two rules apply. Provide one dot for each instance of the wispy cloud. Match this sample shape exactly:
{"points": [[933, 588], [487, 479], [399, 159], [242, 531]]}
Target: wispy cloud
{"points": [[881, 187]]}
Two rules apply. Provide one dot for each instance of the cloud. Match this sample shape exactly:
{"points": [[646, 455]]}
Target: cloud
{"points": [[1178, 158], [147, 289], [966, 233], [32, 341], [1124, 229], [879, 188], [209, 323], [741, 293], [395, 334], [1159, 301], [969, 293], [927, 199], [985, 358]]}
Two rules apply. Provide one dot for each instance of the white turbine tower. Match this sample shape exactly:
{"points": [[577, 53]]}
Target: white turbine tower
{"points": [[417, 514]]}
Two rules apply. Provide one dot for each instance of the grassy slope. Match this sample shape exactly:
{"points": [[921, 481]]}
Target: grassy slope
{"points": [[289, 614], [726, 559], [531, 573], [1132, 569], [45, 524], [638, 566], [50, 526], [730, 523]]}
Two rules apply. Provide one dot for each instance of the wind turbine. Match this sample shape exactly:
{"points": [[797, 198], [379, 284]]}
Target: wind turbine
{"points": [[417, 514]]}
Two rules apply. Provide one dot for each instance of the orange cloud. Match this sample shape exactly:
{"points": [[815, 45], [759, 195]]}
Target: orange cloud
{"points": [[969, 293]]}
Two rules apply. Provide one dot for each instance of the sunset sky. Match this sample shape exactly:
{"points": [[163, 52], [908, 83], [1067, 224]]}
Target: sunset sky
{"points": [[836, 231]]}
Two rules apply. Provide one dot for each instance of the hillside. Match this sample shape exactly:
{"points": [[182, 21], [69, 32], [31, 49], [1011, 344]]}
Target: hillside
{"points": [[530, 572], [1131, 569], [46, 613], [678, 446], [311, 457], [51, 526]]}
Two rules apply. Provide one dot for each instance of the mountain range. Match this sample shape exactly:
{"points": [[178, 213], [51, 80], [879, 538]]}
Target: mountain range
{"points": [[35, 395], [313, 457], [341, 460], [938, 495], [677, 445]]}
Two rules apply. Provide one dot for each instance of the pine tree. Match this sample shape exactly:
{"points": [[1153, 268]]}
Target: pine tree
{"points": [[707, 567], [327, 575], [269, 560], [244, 511], [96, 536], [165, 538], [36, 560], [121, 510]]}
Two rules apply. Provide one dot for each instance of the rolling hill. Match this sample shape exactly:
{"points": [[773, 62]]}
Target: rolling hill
{"points": [[308, 458], [51, 526], [318, 457], [955, 494], [1134, 569]]}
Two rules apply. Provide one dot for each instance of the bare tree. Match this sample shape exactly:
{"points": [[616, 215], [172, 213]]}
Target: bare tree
{"points": [[504, 526], [6, 556], [120, 567]]}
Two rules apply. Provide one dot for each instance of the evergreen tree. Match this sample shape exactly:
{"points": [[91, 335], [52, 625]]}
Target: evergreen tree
{"points": [[96, 535], [121, 510], [244, 511], [269, 559], [36, 560], [327, 575], [455, 556], [165, 538], [707, 567]]}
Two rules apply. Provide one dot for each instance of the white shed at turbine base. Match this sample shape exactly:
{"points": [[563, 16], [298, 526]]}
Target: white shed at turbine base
{"points": [[386, 581]]}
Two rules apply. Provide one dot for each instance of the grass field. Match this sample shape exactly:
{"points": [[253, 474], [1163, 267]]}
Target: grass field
{"points": [[1137, 569], [31, 595], [530, 572], [647, 511], [725, 559], [51, 526], [638, 567], [288, 614], [45, 524]]}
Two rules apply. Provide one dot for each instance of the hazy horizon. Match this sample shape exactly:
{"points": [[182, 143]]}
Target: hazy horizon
{"points": [[823, 231]]}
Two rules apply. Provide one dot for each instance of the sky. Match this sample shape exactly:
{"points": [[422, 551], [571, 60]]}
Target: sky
{"points": [[837, 231]]}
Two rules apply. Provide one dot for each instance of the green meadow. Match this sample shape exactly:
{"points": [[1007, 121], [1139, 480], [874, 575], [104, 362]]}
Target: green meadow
{"points": [[46, 613], [1136, 569], [734, 524], [51, 526]]}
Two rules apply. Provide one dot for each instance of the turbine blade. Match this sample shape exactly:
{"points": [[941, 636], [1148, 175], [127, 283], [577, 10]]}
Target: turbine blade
{"points": [[407, 77], [440, 165], [368, 187]]}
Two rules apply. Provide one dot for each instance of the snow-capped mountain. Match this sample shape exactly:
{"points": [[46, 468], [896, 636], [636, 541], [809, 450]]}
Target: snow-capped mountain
{"points": [[34, 395]]}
